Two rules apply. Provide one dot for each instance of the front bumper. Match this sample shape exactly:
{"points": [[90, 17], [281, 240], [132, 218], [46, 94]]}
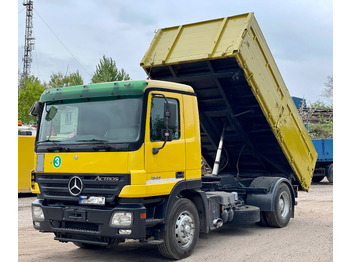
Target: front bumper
{"points": [[89, 223]]}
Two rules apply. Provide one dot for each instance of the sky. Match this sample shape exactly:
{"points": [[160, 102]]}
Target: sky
{"points": [[74, 35]]}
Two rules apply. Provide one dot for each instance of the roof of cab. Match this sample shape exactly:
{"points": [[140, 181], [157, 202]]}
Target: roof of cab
{"points": [[110, 89]]}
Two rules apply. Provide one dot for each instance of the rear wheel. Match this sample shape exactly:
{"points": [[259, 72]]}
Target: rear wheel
{"points": [[317, 179], [283, 205], [330, 173], [181, 231]]}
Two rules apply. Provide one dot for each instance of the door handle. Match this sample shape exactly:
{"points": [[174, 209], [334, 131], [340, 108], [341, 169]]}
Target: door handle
{"points": [[180, 174]]}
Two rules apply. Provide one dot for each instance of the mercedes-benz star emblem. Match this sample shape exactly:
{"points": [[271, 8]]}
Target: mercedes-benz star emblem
{"points": [[75, 186]]}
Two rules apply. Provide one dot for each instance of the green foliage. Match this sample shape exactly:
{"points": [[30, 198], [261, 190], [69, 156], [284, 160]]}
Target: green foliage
{"points": [[324, 127], [59, 80], [321, 130], [319, 115], [107, 71], [30, 90], [320, 104]]}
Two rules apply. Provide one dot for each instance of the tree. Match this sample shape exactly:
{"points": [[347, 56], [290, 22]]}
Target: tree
{"points": [[107, 71], [59, 80], [26, 96], [328, 91]]}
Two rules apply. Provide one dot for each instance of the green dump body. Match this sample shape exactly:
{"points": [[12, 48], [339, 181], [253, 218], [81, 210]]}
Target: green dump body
{"points": [[238, 85]]}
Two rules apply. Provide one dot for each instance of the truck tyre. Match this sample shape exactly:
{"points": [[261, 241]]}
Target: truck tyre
{"points": [[283, 205], [330, 173], [181, 230], [317, 179]]}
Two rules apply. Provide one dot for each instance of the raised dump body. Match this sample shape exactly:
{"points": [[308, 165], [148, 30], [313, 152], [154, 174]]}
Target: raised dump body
{"points": [[238, 85]]}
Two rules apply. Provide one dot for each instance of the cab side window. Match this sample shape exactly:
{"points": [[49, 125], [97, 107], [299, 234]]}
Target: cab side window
{"points": [[157, 119]]}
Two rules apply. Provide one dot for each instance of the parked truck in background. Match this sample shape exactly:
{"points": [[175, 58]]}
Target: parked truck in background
{"points": [[324, 163], [26, 139], [122, 160], [324, 149]]}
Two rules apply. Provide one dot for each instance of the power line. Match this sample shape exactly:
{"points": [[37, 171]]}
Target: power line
{"points": [[21, 10], [62, 43]]}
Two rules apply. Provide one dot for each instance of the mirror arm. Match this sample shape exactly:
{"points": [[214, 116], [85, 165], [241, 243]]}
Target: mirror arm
{"points": [[155, 150]]}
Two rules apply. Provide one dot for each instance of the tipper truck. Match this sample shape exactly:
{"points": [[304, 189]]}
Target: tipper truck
{"points": [[122, 160]]}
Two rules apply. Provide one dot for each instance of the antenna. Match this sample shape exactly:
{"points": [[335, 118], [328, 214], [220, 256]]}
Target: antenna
{"points": [[29, 39]]}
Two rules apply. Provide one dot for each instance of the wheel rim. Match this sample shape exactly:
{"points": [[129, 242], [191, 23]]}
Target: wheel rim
{"points": [[284, 204], [184, 230]]}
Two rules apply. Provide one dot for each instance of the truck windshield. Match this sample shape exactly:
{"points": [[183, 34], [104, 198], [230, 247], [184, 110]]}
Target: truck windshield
{"points": [[114, 121]]}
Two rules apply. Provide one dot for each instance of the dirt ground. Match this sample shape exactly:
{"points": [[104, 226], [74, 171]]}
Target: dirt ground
{"points": [[308, 237]]}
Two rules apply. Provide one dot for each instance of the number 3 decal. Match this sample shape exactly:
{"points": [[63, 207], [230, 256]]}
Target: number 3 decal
{"points": [[57, 161]]}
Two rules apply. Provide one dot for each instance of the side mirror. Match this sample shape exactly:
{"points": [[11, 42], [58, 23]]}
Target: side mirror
{"points": [[51, 114], [170, 113], [35, 109], [169, 122]]}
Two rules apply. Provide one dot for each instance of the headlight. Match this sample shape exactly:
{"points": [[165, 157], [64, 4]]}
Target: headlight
{"points": [[121, 219], [37, 213]]}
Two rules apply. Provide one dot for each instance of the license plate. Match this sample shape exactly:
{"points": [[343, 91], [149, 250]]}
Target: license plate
{"points": [[91, 200]]}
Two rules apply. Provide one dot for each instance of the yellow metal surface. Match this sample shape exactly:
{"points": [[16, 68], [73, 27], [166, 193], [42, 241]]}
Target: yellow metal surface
{"points": [[240, 37], [169, 86], [277, 105], [177, 155], [25, 162]]}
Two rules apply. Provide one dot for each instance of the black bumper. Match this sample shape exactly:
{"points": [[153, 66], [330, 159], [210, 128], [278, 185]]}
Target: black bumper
{"points": [[89, 224]]}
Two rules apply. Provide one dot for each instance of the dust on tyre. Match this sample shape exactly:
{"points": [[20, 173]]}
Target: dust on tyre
{"points": [[181, 231]]}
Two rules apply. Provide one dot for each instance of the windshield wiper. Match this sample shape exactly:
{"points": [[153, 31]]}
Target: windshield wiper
{"points": [[93, 140], [49, 140], [54, 148], [104, 147]]}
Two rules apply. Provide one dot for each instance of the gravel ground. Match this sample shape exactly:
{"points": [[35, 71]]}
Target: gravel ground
{"points": [[308, 237]]}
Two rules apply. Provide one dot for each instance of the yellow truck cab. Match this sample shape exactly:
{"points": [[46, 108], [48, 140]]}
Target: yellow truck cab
{"points": [[122, 160]]}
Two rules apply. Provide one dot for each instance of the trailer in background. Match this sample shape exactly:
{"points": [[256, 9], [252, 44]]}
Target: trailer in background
{"points": [[324, 148], [324, 164]]}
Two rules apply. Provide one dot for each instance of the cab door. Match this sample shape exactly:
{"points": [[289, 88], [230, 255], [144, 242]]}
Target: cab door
{"points": [[167, 167]]}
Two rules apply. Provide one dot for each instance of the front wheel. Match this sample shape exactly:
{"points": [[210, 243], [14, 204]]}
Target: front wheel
{"points": [[181, 231]]}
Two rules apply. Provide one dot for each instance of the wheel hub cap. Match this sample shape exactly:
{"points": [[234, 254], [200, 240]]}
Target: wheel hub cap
{"points": [[184, 229], [284, 204]]}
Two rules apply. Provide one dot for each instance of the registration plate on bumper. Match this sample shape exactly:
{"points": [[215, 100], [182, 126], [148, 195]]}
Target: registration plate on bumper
{"points": [[92, 200]]}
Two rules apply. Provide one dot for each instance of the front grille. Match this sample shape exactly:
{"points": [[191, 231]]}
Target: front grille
{"points": [[54, 186]]}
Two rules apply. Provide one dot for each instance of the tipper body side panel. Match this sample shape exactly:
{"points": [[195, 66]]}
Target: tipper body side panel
{"points": [[229, 65]]}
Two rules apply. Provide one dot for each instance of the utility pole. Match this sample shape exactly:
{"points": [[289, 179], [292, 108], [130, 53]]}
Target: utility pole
{"points": [[29, 39]]}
